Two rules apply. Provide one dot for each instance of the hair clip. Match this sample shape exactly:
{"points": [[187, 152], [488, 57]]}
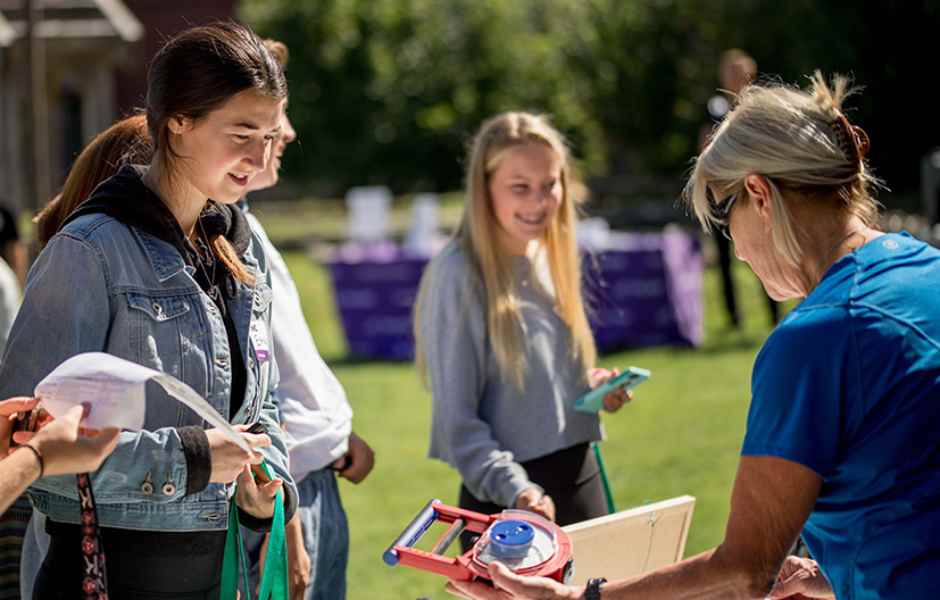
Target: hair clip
{"points": [[852, 139]]}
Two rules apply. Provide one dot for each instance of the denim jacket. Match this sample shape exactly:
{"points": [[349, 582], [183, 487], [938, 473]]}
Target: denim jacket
{"points": [[101, 285]]}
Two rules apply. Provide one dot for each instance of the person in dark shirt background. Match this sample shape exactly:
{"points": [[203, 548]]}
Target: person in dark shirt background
{"points": [[736, 69]]}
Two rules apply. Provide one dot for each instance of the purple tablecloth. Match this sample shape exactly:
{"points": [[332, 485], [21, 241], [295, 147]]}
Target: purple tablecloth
{"points": [[375, 300], [644, 290]]}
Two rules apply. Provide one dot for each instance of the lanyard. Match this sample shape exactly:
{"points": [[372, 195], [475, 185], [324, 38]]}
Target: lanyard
{"points": [[94, 578], [274, 579]]}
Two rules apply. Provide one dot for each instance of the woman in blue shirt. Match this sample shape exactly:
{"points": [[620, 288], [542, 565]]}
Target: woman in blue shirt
{"points": [[841, 441]]}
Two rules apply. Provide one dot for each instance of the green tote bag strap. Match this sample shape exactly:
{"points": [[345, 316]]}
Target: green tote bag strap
{"points": [[234, 556], [274, 579]]}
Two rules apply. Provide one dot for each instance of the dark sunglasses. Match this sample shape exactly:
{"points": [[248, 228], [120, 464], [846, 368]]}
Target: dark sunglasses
{"points": [[721, 212]]}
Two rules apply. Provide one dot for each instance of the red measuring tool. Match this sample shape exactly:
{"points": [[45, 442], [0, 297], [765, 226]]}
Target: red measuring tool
{"points": [[523, 541]]}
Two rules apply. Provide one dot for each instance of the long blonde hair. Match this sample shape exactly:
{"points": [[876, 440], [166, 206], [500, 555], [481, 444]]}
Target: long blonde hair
{"points": [[800, 140], [478, 238]]}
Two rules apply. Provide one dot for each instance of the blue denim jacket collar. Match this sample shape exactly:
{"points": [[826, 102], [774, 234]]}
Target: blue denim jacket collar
{"points": [[164, 259]]}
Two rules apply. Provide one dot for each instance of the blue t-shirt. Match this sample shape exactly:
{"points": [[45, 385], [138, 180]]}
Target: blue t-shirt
{"points": [[849, 386]]}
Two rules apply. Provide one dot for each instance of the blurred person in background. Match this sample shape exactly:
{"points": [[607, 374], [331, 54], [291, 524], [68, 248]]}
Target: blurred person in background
{"points": [[12, 249], [317, 421], [735, 70], [502, 336], [10, 297], [841, 439], [12, 273]]}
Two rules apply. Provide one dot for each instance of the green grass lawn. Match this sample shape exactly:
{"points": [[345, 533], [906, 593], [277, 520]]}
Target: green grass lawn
{"points": [[680, 436], [325, 218]]}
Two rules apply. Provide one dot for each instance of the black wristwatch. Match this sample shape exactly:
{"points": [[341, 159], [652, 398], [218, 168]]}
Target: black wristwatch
{"points": [[592, 591]]}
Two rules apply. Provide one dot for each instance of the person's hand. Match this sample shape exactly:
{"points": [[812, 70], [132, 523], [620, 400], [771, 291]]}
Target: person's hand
{"points": [[532, 499], [361, 459], [8, 413], [298, 560], [801, 578], [507, 584], [256, 497], [68, 448], [615, 399], [229, 460]]}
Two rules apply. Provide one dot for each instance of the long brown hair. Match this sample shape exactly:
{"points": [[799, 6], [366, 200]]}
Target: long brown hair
{"points": [[125, 142], [195, 73]]}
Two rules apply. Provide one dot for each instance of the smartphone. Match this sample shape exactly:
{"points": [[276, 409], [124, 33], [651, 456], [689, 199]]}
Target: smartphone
{"points": [[593, 401]]}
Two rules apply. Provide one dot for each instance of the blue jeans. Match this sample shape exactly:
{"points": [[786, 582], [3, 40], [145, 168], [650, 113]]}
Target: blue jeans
{"points": [[326, 537]]}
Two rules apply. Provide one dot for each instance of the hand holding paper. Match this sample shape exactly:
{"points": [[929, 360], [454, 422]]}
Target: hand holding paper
{"points": [[113, 389], [228, 459], [67, 447]]}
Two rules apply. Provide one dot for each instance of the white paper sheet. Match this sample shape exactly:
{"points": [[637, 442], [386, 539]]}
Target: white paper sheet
{"points": [[114, 389]]}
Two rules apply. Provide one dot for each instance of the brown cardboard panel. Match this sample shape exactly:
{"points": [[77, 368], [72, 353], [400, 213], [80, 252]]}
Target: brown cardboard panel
{"points": [[632, 541]]}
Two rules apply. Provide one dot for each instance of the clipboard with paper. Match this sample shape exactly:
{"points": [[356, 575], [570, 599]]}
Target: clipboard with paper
{"points": [[114, 391]]}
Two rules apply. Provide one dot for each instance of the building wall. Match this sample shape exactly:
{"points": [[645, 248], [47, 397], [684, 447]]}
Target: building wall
{"points": [[85, 71], [104, 79], [13, 119], [79, 84], [161, 20]]}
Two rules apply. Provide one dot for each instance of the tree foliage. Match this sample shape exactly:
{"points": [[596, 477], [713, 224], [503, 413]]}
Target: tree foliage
{"points": [[389, 91]]}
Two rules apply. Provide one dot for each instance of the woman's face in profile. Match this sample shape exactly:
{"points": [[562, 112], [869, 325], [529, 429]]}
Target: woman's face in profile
{"points": [[225, 150], [750, 225], [271, 174]]}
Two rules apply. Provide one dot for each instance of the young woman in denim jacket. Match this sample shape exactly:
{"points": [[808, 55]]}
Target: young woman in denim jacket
{"points": [[151, 270]]}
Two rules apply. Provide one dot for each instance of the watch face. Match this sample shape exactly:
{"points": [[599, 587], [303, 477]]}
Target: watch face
{"points": [[593, 589]]}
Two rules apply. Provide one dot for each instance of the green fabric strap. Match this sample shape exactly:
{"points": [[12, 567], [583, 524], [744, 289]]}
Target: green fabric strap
{"points": [[608, 494], [274, 579], [234, 555]]}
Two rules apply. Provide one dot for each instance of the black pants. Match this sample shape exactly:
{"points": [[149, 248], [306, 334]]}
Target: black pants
{"points": [[570, 476], [141, 565]]}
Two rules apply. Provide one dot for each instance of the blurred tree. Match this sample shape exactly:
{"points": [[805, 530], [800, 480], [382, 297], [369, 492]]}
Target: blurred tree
{"points": [[388, 91], [392, 89]]}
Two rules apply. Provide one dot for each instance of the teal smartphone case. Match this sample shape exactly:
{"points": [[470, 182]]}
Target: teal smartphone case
{"points": [[593, 401]]}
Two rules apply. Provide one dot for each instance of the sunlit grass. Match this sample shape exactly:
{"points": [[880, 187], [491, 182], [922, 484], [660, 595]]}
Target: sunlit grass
{"points": [[681, 435]]}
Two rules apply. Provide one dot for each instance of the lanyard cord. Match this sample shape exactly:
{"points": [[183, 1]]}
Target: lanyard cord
{"points": [[94, 579]]}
